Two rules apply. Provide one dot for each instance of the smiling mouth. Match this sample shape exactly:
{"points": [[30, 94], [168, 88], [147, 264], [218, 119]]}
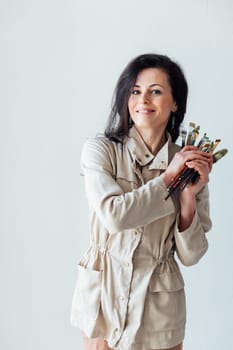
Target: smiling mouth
{"points": [[145, 110]]}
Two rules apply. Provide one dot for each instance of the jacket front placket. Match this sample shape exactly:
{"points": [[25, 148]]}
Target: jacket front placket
{"points": [[122, 283]]}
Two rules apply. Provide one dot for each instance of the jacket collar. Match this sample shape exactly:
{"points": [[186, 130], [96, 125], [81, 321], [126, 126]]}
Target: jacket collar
{"points": [[140, 152]]}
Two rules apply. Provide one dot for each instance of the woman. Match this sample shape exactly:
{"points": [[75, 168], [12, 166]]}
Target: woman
{"points": [[130, 291]]}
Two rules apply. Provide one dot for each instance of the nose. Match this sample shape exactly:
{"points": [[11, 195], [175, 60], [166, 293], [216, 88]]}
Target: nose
{"points": [[144, 98]]}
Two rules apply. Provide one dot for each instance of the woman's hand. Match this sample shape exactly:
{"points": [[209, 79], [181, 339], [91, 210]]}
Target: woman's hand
{"points": [[191, 157], [201, 162], [203, 167]]}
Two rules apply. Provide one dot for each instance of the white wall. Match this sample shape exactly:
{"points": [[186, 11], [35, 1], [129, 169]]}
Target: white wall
{"points": [[59, 64]]}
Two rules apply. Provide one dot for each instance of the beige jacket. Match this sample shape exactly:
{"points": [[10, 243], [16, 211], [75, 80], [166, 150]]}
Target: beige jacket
{"points": [[129, 289]]}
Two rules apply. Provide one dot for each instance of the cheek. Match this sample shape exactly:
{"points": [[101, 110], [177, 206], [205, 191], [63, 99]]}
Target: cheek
{"points": [[130, 104], [167, 105]]}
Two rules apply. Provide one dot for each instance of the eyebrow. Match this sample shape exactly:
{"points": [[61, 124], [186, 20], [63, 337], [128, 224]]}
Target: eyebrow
{"points": [[150, 85]]}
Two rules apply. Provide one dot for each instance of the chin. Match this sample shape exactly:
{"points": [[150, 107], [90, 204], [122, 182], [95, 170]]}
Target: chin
{"points": [[144, 125]]}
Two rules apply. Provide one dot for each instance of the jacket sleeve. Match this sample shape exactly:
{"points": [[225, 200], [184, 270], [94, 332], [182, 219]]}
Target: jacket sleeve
{"points": [[191, 244], [118, 210]]}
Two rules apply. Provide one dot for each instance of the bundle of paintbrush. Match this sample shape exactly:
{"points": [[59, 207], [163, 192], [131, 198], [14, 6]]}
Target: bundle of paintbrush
{"points": [[187, 175]]}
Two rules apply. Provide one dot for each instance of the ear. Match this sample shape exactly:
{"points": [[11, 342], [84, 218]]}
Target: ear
{"points": [[174, 108]]}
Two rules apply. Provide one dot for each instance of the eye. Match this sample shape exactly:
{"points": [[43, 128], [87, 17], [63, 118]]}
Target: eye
{"points": [[156, 92], [135, 92]]}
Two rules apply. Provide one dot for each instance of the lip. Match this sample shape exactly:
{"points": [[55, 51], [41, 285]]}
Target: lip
{"points": [[145, 110]]}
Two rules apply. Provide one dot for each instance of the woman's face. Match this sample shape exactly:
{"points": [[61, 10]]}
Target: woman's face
{"points": [[151, 101]]}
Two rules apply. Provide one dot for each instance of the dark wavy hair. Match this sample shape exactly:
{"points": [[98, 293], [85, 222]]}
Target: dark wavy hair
{"points": [[119, 121]]}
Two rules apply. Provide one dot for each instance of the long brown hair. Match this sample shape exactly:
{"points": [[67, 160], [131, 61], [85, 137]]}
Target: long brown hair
{"points": [[119, 121]]}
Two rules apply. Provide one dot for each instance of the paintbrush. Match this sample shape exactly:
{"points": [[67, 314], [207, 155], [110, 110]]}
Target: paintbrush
{"points": [[187, 175]]}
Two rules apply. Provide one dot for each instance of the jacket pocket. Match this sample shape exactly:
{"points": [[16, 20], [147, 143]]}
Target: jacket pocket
{"points": [[87, 292], [165, 307]]}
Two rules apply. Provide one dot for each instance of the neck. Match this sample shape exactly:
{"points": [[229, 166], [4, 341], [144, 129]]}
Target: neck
{"points": [[154, 139]]}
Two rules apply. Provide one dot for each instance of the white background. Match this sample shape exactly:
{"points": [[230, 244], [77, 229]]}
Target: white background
{"points": [[59, 63]]}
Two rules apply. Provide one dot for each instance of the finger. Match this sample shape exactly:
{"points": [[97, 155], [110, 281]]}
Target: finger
{"points": [[188, 150], [202, 168], [199, 165], [211, 163], [193, 148], [197, 156], [198, 162]]}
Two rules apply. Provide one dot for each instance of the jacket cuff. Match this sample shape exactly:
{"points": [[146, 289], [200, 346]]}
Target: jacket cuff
{"points": [[191, 244]]}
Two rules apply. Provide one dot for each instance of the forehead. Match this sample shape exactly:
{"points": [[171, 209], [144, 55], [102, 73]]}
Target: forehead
{"points": [[152, 76]]}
